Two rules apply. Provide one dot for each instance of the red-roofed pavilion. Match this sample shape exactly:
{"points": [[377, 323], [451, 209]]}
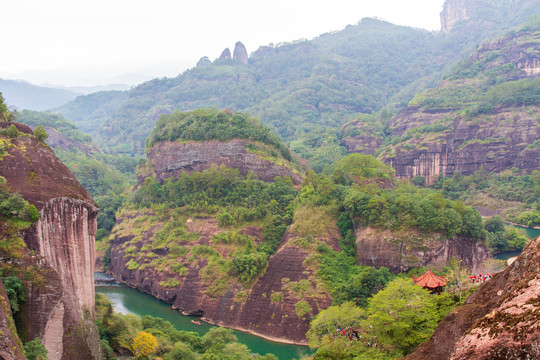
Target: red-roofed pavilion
{"points": [[430, 281]]}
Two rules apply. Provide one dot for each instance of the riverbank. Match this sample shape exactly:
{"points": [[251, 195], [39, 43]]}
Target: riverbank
{"points": [[128, 300]]}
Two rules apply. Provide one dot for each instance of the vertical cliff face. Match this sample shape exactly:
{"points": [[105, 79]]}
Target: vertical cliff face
{"points": [[170, 158], [60, 309], [501, 320], [401, 252], [454, 11]]}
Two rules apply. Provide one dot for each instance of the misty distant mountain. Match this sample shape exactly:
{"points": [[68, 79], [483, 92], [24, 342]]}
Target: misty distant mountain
{"points": [[85, 90], [23, 95]]}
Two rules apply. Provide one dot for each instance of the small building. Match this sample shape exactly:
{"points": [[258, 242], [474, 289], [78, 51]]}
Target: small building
{"points": [[431, 282]]}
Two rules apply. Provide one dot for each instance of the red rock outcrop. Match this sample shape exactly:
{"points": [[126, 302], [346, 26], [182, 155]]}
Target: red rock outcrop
{"points": [[499, 143], [401, 252], [172, 158], [267, 308], [501, 320], [453, 12], [240, 53], [61, 311]]}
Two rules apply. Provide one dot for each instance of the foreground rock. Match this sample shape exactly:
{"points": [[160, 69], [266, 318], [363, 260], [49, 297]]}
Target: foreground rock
{"points": [[59, 307], [500, 321]]}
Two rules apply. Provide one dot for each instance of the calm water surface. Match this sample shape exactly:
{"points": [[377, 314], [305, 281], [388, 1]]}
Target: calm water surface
{"points": [[531, 233], [126, 300]]}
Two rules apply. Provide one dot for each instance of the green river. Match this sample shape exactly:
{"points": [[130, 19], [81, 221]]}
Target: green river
{"points": [[531, 233], [127, 300]]}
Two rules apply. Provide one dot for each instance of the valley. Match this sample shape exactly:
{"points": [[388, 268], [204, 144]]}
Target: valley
{"points": [[287, 199]]}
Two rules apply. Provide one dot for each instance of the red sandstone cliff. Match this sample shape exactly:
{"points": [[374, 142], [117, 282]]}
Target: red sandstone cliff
{"points": [[403, 251], [268, 307], [172, 158], [60, 310], [500, 321]]}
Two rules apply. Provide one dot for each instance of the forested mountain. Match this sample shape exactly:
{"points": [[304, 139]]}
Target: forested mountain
{"points": [[24, 95], [483, 117], [305, 85]]}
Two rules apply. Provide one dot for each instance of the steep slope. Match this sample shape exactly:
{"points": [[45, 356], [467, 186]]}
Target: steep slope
{"points": [[484, 114], [59, 305], [499, 321], [212, 240]]}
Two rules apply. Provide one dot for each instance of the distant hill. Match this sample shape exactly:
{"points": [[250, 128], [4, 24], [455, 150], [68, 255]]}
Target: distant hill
{"points": [[24, 95], [313, 85]]}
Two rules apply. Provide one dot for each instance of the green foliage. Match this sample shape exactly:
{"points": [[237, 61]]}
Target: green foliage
{"points": [[358, 166], [407, 206], [15, 292], [12, 131], [211, 124], [40, 133], [249, 266], [360, 287], [5, 114], [35, 350], [13, 206], [403, 315], [33, 213]]}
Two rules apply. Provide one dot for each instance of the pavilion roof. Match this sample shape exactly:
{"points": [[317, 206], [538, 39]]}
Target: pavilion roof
{"points": [[429, 280]]}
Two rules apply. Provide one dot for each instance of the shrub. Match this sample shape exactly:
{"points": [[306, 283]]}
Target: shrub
{"points": [[12, 131], [40, 133]]}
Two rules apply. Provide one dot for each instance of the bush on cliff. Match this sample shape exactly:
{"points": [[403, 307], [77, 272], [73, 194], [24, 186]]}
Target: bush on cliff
{"points": [[211, 124]]}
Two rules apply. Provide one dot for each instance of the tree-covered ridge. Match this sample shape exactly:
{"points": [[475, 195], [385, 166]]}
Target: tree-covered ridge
{"points": [[212, 124], [295, 87], [54, 121]]}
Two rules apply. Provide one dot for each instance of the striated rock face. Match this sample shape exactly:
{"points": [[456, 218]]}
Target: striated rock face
{"points": [[453, 12], [402, 252], [225, 54], [267, 308], [10, 345], [172, 158], [240, 53], [501, 320], [60, 310], [499, 143]]}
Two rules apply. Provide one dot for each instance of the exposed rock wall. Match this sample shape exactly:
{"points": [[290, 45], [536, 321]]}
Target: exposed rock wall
{"points": [[257, 311], [453, 12], [499, 143], [501, 320], [60, 310], [172, 158], [401, 252], [240, 53]]}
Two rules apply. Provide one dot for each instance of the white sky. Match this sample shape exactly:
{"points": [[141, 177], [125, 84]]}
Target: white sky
{"points": [[73, 42]]}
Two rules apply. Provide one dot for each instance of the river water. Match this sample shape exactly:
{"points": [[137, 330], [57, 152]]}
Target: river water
{"points": [[531, 233], [126, 300]]}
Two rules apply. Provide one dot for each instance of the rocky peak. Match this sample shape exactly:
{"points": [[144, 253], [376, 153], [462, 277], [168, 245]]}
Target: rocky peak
{"points": [[453, 12], [203, 61], [225, 54], [240, 53]]}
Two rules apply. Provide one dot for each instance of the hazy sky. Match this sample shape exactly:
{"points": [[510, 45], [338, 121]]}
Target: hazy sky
{"points": [[73, 42]]}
